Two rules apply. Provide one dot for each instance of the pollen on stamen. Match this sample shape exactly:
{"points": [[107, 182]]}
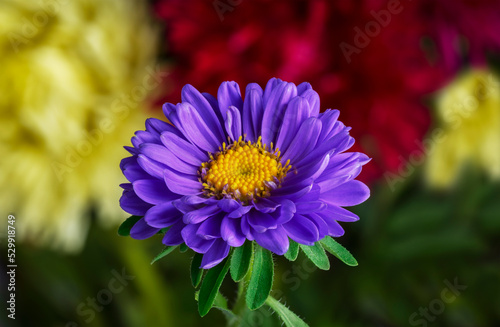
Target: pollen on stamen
{"points": [[243, 170]]}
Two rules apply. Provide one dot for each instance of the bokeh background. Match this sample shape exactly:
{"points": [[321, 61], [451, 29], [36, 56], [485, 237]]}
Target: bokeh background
{"points": [[417, 81]]}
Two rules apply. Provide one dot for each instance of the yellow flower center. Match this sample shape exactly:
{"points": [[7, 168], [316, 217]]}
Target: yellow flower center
{"points": [[243, 170]]}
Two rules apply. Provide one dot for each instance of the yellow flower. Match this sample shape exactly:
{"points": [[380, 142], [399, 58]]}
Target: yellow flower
{"points": [[468, 112], [74, 74]]}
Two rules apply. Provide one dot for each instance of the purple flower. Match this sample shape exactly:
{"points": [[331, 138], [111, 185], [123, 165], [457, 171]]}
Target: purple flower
{"points": [[266, 168]]}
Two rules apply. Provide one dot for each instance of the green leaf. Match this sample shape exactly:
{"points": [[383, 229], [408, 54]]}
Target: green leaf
{"points": [[339, 251], [240, 261], [261, 280], [126, 226], [167, 250], [210, 286], [288, 317], [317, 255], [183, 247], [196, 271], [293, 251]]}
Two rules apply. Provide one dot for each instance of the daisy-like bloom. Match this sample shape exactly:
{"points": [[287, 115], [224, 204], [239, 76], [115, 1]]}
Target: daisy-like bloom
{"points": [[269, 167], [468, 111], [72, 82]]}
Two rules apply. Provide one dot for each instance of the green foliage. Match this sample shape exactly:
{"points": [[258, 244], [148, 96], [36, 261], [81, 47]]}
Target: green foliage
{"points": [[196, 271], [293, 251], [240, 261], [126, 226], [289, 318], [167, 250], [339, 251], [183, 247], [317, 255], [261, 280], [210, 286]]}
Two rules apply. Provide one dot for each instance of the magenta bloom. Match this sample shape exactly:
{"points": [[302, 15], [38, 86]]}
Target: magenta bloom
{"points": [[266, 168]]}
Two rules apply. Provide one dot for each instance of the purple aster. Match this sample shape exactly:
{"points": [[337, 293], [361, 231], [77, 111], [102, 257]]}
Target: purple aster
{"points": [[267, 168]]}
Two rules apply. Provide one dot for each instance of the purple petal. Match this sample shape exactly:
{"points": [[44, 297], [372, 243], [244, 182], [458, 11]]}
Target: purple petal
{"points": [[302, 87], [181, 183], [153, 168], [245, 227], [173, 236], [349, 194], [342, 168], [302, 230], [185, 206], [309, 207], [162, 215], [133, 151], [337, 144], [295, 114], [199, 215], [211, 227], [271, 85], [320, 223], [274, 111], [153, 191], [292, 192], [228, 205], [229, 95], [195, 242], [183, 149], [217, 252], [285, 212], [141, 230], [231, 232], [312, 98], [338, 213], [233, 123], [311, 171], [144, 137], [132, 204], [239, 212], [156, 126], [195, 199], [328, 118], [252, 114], [132, 170], [197, 130], [334, 229], [304, 141], [163, 155], [312, 195], [203, 108], [170, 111], [275, 240], [214, 104], [265, 205], [261, 221], [127, 186]]}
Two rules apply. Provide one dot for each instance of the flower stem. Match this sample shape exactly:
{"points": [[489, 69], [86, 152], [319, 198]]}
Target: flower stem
{"points": [[239, 306]]}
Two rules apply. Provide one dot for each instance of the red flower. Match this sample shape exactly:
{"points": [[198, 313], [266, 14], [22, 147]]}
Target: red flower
{"points": [[375, 75]]}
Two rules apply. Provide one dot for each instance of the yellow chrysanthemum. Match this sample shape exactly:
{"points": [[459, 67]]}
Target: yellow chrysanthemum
{"points": [[468, 112], [73, 77]]}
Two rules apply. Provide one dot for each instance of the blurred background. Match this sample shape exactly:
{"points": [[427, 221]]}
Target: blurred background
{"points": [[417, 81]]}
